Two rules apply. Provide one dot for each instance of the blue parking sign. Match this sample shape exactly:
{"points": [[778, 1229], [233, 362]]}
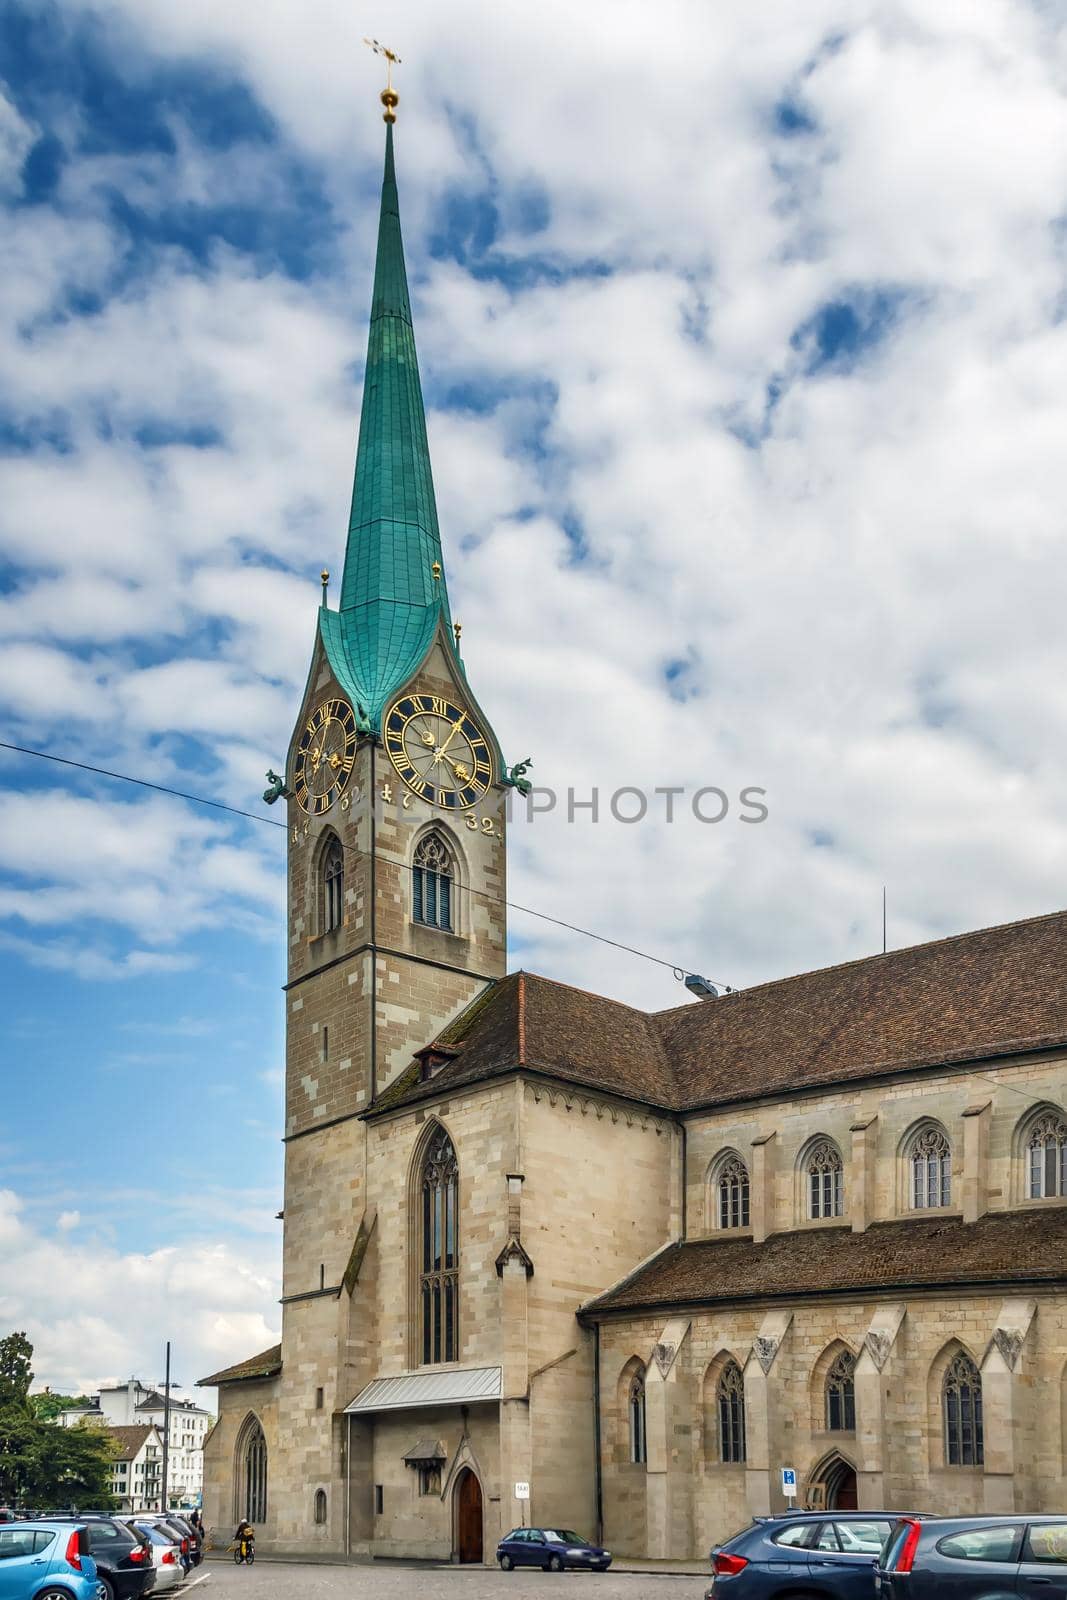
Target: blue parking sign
{"points": [[789, 1482]]}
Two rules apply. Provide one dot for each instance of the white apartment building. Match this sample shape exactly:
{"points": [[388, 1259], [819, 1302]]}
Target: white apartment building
{"points": [[133, 1404], [136, 1470]]}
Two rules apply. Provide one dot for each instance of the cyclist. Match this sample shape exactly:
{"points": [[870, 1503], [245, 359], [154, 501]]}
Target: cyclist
{"points": [[245, 1541]]}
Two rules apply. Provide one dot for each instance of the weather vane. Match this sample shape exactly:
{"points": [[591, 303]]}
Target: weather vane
{"points": [[390, 98]]}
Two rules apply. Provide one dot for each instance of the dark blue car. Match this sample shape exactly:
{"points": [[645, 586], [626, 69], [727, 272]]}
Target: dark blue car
{"points": [[1022, 1556], [553, 1549], [826, 1553]]}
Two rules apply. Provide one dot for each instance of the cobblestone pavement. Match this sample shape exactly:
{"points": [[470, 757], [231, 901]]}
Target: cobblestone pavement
{"points": [[284, 1580]]}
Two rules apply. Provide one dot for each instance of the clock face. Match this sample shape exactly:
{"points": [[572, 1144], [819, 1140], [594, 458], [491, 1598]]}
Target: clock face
{"points": [[325, 755], [439, 751]]}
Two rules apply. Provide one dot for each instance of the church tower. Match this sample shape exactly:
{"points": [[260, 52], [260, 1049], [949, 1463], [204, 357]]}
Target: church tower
{"points": [[396, 870]]}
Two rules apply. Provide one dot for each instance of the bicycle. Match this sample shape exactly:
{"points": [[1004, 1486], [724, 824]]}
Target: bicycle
{"points": [[244, 1552]]}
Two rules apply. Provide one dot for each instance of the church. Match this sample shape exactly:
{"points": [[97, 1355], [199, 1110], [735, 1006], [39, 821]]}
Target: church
{"points": [[550, 1259]]}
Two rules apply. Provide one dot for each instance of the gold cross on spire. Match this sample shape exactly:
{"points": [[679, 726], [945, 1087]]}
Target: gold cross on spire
{"points": [[390, 98]]}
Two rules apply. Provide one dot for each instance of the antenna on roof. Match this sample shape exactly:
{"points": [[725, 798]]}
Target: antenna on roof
{"points": [[883, 919]]}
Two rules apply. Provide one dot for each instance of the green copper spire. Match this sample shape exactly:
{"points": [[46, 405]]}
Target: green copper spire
{"points": [[391, 600]]}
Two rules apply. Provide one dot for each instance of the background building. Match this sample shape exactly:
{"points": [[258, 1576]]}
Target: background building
{"points": [[136, 1474], [134, 1403]]}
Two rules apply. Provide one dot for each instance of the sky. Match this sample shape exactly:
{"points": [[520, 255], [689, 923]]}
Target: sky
{"points": [[743, 340]]}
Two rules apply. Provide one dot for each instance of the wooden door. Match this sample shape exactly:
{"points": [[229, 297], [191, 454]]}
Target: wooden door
{"points": [[845, 1498], [469, 1517]]}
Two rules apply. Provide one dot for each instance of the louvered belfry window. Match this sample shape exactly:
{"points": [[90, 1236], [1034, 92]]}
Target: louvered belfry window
{"points": [[333, 887], [431, 883], [439, 1259]]}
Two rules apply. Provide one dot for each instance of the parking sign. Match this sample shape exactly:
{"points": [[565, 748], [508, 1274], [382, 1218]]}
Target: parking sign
{"points": [[789, 1483]]}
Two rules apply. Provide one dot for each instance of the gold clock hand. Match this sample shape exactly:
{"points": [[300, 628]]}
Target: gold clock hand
{"points": [[458, 767], [452, 735]]}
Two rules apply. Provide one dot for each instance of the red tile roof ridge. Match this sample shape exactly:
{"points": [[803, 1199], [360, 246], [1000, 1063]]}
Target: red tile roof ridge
{"points": [[522, 1018], [859, 961], [591, 994]]}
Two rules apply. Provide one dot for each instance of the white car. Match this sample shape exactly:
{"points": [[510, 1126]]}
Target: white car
{"points": [[166, 1555]]}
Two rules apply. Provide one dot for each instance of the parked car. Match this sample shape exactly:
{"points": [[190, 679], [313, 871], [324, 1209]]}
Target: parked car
{"points": [[123, 1557], [167, 1524], [975, 1558], [167, 1563], [827, 1553], [184, 1527], [46, 1560], [550, 1548]]}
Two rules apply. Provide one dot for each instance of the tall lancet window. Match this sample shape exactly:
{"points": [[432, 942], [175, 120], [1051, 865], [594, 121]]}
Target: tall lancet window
{"points": [[439, 1256], [431, 883], [333, 886]]}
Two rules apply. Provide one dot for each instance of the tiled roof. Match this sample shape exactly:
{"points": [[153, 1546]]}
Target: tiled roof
{"points": [[265, 1365], [970, 997], [959, 999], [130, 1439], [526, 1021], [1009, 1248]]}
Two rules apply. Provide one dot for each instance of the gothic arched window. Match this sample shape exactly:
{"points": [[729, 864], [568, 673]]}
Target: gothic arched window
{"points": [[439, 1253], [638, 1441], [962, 1401], [841, 1394], [930, 1164], [320, 1506], [432, 877], [730, 1397], [825, 1173], [1046, 1152], [333, 886], [731, 1188], [253, 1475]]}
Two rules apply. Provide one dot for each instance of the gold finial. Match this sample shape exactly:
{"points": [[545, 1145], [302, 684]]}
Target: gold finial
{"points": [[457, 629], [325, 576], [436, 570], [389, 97]]}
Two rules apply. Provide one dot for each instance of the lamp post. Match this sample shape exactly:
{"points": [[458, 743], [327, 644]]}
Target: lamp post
{"points": [[166, 1429]]}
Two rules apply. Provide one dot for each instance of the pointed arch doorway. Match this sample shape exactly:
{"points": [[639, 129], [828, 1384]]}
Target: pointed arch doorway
{"points": [[467, 1499], [833, 1485]]}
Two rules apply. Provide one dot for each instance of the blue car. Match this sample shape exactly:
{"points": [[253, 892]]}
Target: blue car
{"points": [[830, 1554], [552, 1549], [1023, 1555], [46, 1561]]}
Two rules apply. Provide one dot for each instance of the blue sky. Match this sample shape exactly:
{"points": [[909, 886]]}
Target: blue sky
{"points": [[745, 375]]}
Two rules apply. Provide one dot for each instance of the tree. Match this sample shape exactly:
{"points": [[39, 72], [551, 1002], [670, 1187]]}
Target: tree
{"points": [[16, 1371], [41, 1464], [47, 1406]]}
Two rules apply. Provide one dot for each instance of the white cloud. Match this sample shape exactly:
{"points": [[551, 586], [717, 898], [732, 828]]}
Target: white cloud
{"points": [[858, 564], [94, 1312], [16, 140]]}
